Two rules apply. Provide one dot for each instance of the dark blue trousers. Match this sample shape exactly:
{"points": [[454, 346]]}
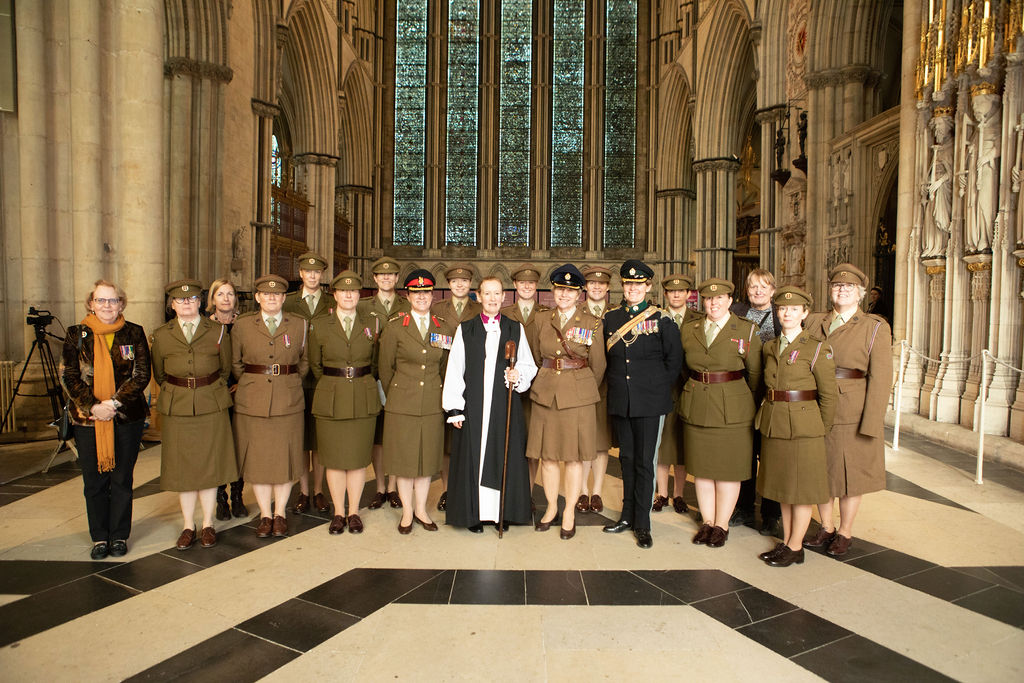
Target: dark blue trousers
{"points": [[638, 455]]}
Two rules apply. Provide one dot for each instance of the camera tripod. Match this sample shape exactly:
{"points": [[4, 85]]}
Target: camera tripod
{"points": [[50, 381]]}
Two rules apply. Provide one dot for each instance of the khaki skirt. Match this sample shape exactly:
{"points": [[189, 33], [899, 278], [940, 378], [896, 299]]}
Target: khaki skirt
{"points": [[345, 444], [856, 463], [270, 449], [197, 452], [671, 450], [413, 444], [719, 453], [563, 434], [793, 470]]}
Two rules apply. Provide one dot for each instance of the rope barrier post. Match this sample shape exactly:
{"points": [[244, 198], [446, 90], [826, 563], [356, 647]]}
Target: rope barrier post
{"points": [[899, 395], [980, 426]]}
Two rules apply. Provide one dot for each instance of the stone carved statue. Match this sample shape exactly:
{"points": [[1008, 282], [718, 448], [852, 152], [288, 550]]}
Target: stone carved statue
{"points": [[980, 220], [939, 188]]}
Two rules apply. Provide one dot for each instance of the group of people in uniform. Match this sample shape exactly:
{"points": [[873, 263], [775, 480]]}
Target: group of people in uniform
{"points": [[488, 396]]}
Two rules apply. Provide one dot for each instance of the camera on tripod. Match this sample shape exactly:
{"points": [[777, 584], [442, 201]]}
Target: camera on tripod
{"points": [[37, 318]]}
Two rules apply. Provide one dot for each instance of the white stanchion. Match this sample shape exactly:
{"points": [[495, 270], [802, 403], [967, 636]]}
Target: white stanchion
{"points": [[899, 395], [979, 425]]}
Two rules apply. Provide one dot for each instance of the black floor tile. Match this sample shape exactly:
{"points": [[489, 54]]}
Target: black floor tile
{"points": [[999, 603], [1013, 577], [24, 577], [6, 497], [794, 632], [761, 605], [944, 583], [228, 656], [859, 549], [146, 488], [690, 585], [623, 588], [855, 659], [47, 609], [154, 570], [727, 609], [298, 624], [489, 587], [890, 564], [362, 592], [554, 587], [904, 487], [231, 543], [436, 591]]}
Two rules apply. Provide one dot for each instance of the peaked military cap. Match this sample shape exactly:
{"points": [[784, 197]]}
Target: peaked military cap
{"points": [[526, 272], [597, 274], [420, 281], [347, 279], [677, 281], [847, 272], [181, 289], [567, 275], [272, 284], [458, 270], [792, 296], [312, 261], [385, 264], [714, 287], [635, 270]]}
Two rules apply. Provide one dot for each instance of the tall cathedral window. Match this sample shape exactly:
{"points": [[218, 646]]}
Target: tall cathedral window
{"points": [[514, 144], [620, 123], [567, 125], [463, 96], [410, 116]]}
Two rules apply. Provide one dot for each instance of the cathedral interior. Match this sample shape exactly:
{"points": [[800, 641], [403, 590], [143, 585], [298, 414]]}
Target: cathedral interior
{"points": [[145, 141]]}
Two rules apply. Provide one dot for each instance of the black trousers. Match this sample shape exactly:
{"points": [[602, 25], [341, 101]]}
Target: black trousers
{"points": [[638, 455], [108, 495], [770, 509]]}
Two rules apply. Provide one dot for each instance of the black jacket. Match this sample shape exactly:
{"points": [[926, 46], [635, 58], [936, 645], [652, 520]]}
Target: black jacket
{"points": [[130, 355], [643, 365]]}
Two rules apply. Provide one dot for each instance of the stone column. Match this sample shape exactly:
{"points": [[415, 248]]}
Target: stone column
{"points": [[316, 173], [716, 216], [770, 120], [980, 267], [936, 272]]}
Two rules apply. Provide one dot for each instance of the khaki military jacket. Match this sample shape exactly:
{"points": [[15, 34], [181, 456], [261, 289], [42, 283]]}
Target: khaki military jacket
{"points": [[862, 343], [209, 352], [688, 317], [737, 347], [412, 368], [371, 305], [805, 365], [445, 310], [513, 312], [342, 398], [584, 336], [293, 303], [269, 395]]}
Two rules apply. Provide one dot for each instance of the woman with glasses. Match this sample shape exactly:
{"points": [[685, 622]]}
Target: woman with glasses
{"points": [[105, 371], [191, 363], [268, 350], [855, 447]]}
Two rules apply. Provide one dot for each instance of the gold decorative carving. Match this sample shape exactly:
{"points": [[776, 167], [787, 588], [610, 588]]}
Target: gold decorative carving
{"points": [[985, 88], [936, 270], [978, 267], [942, 111]]}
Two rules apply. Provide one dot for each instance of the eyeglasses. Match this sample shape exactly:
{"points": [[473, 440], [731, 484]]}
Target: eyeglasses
{"points": [[186, 299], [107, 302], [844, 286]]}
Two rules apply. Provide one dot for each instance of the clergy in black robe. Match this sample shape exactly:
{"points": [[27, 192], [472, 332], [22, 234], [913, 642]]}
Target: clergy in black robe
{"points": [[475, 395]]}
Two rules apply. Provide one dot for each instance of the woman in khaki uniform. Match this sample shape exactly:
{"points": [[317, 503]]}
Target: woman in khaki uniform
{"points": [[597, 280], [343, 359], [795, 416], [269, 360], [723, 355], [413, 349], [856, 448], [570, 351], [191, 363]]}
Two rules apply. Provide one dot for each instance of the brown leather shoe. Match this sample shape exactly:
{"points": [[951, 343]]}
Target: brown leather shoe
{"points": [[405, 529], [429, 526], [208, 537], [187, 538], [280, 526], [442, 502], [718, 537], [378, 500], [659, 503], [395, 500], [596, 504], [302, 504], [320, 503], [769, 554], [337, 525], [679, 505], [265, 527], [822, 539], [786, 557], [566, 534], [355, 525], [702, 535], [839, 545], [542, 526], [583, 504]]}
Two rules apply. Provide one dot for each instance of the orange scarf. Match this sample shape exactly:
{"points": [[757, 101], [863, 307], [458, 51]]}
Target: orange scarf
{"points": [[103, 386]]}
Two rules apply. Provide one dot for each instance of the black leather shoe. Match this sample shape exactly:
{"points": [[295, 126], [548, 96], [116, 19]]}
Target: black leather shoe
{"points": [[618, 527], [477, 528], [643, 538], [741, 517], [769, 554], [118, 548], [223, 511], [786, 557], [238, 508], [771, 527], [378, 501], [100, 550], [442, 502]]}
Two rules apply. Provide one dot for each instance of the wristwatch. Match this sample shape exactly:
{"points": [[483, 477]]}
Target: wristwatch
{"points": [[117, 404]]}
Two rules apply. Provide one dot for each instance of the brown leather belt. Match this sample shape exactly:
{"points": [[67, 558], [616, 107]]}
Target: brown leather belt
{"points": [[347, 372], [564, 363], [848, 373], [805, 395], [275, 369], [706, 377], [193, 382]]}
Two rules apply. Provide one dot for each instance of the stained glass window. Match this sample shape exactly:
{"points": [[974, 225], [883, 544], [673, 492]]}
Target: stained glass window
{"points": [[514, 159], [275, 162], [463, 97], [620, 123], [567, 125], [410, 113]]}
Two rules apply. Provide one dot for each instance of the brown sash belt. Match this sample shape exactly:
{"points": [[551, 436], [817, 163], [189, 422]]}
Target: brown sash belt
{"points": [[193, 382], [805, 395], [347, 372], [706, 377], [847, 373], [275, 369], [564, 363]]}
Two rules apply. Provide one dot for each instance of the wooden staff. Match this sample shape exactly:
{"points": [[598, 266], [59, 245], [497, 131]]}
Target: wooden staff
{"points": [[510, 356]]}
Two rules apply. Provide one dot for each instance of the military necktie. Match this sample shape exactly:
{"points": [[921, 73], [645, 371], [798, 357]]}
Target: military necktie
{"points": [[309, 303], [458, 309], [710, 333], [562, 318], [836, 322], [783, 343], [679, 320], [423, 327], [188, 331], [595, 311], [526, 312], [272, 326], [387, 305], [348, 326]]}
